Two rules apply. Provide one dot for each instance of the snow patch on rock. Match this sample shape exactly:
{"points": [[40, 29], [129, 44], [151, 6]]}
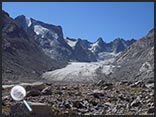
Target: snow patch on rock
{"points": [[94, 46], [39, 30], [71, 43], [145, 67], [28, 21]]}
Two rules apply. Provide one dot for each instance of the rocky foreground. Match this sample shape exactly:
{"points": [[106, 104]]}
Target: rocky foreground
{"points": [[102, 98]]}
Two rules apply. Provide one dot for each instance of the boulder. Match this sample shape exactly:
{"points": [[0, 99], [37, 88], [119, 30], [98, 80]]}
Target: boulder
{"points": [[97, 93], [125, 82], [6, 97], [77, 104], [150, 85], [93, 102], [67, 104], [33, 93], [138, 84], [151, 110], [108, 104], [136, 103], [47, 91], [100, 82]]}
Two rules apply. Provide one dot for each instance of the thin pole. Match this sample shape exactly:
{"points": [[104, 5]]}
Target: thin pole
{"points": [[27, 105]]}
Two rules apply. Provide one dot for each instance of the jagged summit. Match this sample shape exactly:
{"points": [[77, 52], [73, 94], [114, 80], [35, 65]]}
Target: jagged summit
{"points": [[53, 43], [100, 40]]}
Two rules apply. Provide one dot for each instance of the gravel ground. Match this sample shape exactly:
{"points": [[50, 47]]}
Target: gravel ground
{"points": [[102, 98]]}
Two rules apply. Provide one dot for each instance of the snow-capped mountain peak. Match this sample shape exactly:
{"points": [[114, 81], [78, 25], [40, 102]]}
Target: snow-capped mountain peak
{"points": [[100, 40], [94, 46], [50, 38], [40, 30], [98, 45]]}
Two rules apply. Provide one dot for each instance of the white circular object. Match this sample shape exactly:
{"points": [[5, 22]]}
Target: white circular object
{"points": [[18, 92]]}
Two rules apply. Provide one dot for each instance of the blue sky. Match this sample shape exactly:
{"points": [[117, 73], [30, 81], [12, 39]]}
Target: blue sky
{"points": [[90, 20]]}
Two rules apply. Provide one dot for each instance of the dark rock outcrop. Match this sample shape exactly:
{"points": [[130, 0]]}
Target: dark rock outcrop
{"points": [[22, 58]]}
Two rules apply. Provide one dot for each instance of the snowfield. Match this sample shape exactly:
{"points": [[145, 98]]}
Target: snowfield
{"points": [[80, 71], [71, 43]]}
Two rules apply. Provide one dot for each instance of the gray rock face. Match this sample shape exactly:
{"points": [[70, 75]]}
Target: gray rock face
{"points": [[81, 54], [119, 44], [22, 58], [137, 61], [48, 36]]}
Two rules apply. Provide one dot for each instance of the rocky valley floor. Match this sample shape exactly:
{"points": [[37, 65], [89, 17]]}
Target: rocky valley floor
{"points": [[102, 98]]}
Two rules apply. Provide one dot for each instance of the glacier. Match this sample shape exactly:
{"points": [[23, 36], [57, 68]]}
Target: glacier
{"points": [[80, 71]]}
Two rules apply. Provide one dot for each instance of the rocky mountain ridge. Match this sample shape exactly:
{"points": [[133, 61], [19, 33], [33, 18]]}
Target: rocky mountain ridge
{"points": [[50, 38], [22, 58], [137, 62]]}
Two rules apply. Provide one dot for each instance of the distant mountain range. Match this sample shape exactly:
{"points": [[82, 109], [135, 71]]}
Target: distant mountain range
{"points": [[31, 48], [50, 38], [133, 64]]}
